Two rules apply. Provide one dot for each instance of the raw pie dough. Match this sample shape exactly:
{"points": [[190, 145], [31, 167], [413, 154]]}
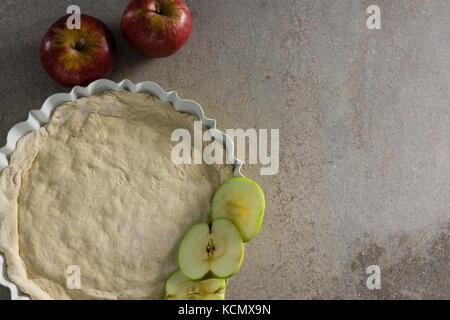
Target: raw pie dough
{"points": [[96, 188]]}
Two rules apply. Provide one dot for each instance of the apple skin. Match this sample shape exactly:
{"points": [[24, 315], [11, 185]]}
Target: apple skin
{"points": [[156, 28], [77, 57]]}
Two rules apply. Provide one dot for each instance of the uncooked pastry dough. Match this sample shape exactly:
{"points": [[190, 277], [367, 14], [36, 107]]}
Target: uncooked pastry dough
{"points": [[96, 188]]}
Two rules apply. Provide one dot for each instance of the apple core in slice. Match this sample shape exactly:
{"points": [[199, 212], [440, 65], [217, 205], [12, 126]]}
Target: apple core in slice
{"points": [[217, 249], [240, 200], [179, 287]]}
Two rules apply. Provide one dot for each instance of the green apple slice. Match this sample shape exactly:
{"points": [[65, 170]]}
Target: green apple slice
{"points": [[217, 249], [240, 200], [179, 287]]}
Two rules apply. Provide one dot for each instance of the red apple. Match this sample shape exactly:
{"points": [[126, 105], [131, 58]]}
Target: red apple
{"points": [[157, 28], [78, 56]]}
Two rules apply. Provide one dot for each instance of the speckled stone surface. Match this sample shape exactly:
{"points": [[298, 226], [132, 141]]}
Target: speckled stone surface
{"points": [[364, 119]]}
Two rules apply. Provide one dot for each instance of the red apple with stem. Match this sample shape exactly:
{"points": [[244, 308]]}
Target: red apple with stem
{"points": [[157, 28], [78, 56]]}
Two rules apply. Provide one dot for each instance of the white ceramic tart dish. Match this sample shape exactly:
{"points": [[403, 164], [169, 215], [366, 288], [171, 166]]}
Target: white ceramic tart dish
{"points": [[91, 184]]}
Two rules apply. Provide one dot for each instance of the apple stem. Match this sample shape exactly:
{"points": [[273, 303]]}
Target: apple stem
{"points": [[156, 10], [80, 44]]}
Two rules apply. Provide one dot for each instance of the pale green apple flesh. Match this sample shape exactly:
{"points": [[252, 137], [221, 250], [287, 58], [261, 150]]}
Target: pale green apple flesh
{"points": [[240, 200], [179, 287], [217, 249]]}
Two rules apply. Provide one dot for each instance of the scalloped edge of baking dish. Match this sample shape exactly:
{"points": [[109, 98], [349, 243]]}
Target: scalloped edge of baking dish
{"points": [[39, 117]]}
